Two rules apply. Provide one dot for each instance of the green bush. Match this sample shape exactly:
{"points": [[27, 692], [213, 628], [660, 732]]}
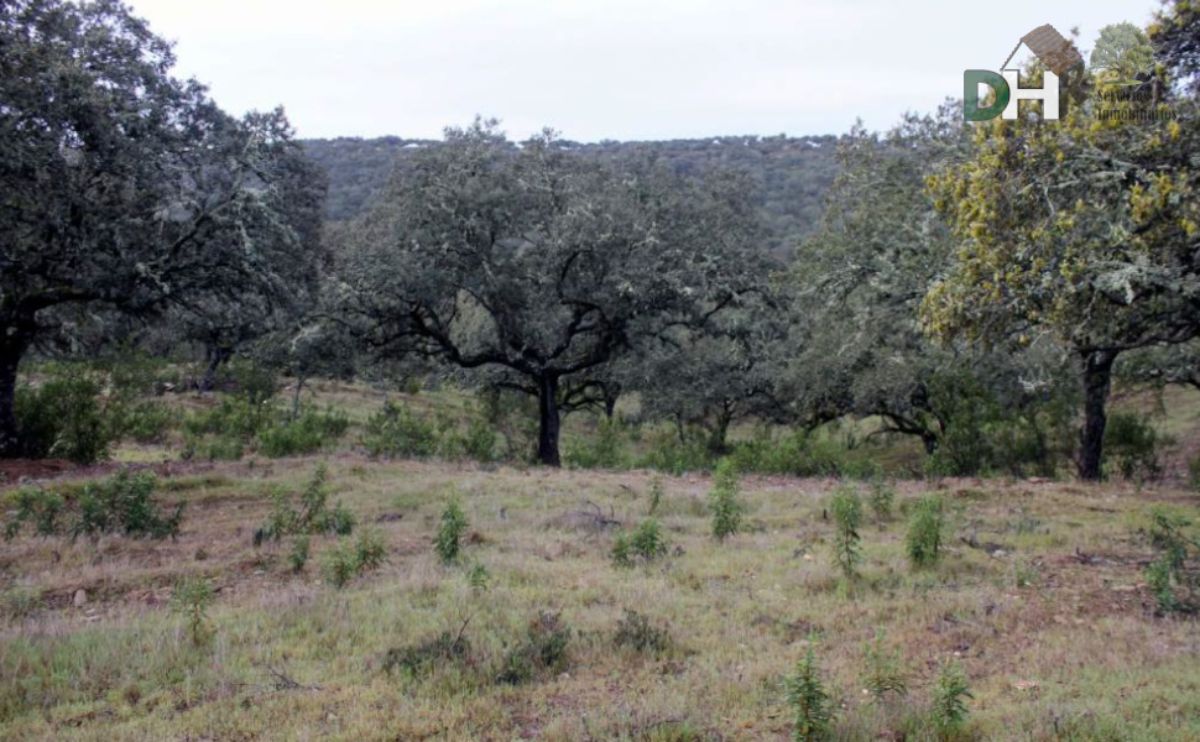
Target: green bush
{"points": [[881, 499], [949, 700], [63, 418], [191, 599], [667, 453], [637, 633], [309, 431], [1131, 445], [144, 421], [125, 503], [645, 543], [453, 525], [796, 453], [605, 449], [924, 541], [419, 659], [369, 550], [339, 564], [847, 517], [885, 674], [298, 556], [1194, 472], [1174, 575], [231, 417], [809, 701], [312, 517], [41, 507], [543, 652], [394, 431], [723, 502]]}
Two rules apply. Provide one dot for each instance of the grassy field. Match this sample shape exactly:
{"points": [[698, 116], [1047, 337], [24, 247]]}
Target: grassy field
{"points": [[1040, 597]]}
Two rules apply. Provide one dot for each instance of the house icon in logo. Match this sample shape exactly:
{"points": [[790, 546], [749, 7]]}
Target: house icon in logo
{"points": [[1052, 49]]}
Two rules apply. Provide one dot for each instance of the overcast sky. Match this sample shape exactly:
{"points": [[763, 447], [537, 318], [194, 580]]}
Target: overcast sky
{"points": [[605, 69]]}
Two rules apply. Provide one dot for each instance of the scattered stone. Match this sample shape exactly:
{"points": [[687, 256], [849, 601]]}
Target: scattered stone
{"points": [[81, 598]]}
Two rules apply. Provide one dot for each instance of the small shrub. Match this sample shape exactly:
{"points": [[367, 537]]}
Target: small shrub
{"points": [[726, 510], [418, 659], [125, 503], [450, 531], [313, 517], [144, 421], [637, 633], [604, 450], [847, 516], [395, 431], [479, 441], [41, 507], [236, 418], [17, 603], [1173, 576], [885, 674], [63, 418], [542, 653], [656, 495], [882, 499], [191, 599], [298, 556], [1131, 444], [622, 551], [309, 431], [1194, 472], [478, 577], [924, 541], [369, 550], [949, 700], [809, 701], [339, 564], [666, 452]]}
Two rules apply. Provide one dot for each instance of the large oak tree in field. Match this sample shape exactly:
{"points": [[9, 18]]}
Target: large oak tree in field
{"points": [[1084, 228], [540, 262], [121, 187]]}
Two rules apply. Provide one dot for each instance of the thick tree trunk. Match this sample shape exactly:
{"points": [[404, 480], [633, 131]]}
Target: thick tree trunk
{"points": [[610, 405], [13, 344], [548, 421], [216, 357], [1097, 380], [719, 433]]}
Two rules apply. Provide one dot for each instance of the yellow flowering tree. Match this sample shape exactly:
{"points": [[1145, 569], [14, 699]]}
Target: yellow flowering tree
{"points": [[1084, 228]]}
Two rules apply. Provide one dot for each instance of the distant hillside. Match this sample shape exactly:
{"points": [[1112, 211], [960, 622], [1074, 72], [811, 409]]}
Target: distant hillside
{"points": [[794, 173]]}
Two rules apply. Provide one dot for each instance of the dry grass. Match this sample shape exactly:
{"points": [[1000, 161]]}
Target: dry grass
{"points": [[1040, 597]]}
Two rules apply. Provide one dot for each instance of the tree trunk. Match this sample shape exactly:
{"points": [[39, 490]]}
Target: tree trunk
{"points": [[13, 344], [610, 404], [1097, 380], [548, 421], [216, 357], [296, 398], [720, 431]]}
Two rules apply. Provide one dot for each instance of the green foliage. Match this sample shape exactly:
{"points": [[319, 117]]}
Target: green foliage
{"points": [[1174, 575], [234, 417], [949, 700], [796, 453], [637, 633], [1194, 472], [124, 503], [418, 659], [314, 515], [885, 673], [809, 700], [924, 540], [881, 499], [622, 551], [145, 421], [309, 431], [191, 599], [723, 502], [542, 653], [369, 550], [298, 556], [339, 564], [1131, 444], [603, 450], [41, 507], [665, 452], [395, 431], [453, 525], [478, 577], [63, 418], [646, 543], [846, 507], [656, 495]]}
